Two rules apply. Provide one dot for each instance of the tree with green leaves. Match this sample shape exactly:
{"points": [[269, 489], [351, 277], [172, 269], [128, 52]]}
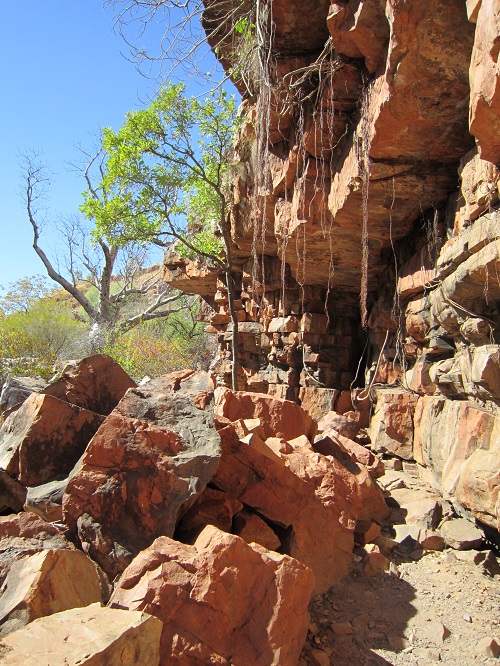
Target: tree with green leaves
{"points": [[165, 180]]}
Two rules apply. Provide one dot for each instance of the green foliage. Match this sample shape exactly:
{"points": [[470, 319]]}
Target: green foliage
{"points": [[243, 26], [147, 351], [141, 354], [164, 345], [165, 172], [31, 342]]}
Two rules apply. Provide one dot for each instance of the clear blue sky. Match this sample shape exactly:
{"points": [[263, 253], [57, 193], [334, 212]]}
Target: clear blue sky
{"points": [[62, 78]]}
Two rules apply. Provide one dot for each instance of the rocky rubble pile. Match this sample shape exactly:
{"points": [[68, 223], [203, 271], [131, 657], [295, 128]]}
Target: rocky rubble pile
{"points": [[423, 589], [218, 513], [382, 184]]}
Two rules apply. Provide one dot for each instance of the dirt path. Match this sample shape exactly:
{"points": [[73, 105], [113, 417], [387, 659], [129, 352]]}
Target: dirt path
{"points": [[404, 616], [393, 620]]}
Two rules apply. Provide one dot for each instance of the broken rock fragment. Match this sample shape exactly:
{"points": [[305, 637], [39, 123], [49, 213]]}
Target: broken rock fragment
{"points": [[45, 583], [279, 418], [253, 529], [92, 635], [96, 383], [46, 500], [340, 424], [212, 507], [343, 448], [315, 498], [44, 438], [391, 427], [461, 534], [15, 391], [24, 534], [221, 600]]}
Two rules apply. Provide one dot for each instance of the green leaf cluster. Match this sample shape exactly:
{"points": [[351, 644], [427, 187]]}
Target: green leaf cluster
{"points": [[165, 173], [32, 341]]}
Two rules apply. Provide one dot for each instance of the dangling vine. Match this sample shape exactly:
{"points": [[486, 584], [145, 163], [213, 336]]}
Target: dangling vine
{"points": [[363, 157]]}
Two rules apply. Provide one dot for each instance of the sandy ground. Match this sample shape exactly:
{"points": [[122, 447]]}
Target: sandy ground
{"points": [[398, 620], [438, 608]]}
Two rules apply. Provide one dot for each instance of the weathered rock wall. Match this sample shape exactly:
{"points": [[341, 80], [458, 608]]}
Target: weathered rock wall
{"points": [[366, 227]]}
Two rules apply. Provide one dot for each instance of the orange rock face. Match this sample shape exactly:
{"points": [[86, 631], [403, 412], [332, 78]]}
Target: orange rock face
{"points": [[359, 29], [44, 438], [357, 195], [280, 418], [128, 490], [96, 383], [485, 82], [221, 600]]}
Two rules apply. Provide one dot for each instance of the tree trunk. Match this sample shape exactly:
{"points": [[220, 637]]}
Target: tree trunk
{"points": [[100, 335], [225, 225], [235, 332]]}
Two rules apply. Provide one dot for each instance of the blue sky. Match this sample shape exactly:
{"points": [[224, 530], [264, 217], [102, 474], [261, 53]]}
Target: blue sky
{"points": [[62, 78]]}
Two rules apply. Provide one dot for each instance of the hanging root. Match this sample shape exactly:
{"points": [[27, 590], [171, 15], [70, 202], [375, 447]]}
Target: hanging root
{"points": [[363, 157]]}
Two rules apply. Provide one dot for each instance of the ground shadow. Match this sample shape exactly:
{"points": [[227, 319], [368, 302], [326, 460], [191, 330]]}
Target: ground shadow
{"points": [[378, 609]]}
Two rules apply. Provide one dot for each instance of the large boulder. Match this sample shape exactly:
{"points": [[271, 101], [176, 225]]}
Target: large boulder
{"points": [[391, 427], [313, 496], [44, 438], [456, 443], [137, 475], [93, 635], [280, 418], [15, 391], [221, 600], [96, 383], [177, 401], [45, 583]]}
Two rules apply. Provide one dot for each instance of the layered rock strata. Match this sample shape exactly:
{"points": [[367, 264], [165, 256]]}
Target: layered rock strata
{"points": [[365, 227]]}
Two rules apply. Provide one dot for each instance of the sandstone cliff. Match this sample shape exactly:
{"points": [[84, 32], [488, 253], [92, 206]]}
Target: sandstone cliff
{"points": [[366, 224]]}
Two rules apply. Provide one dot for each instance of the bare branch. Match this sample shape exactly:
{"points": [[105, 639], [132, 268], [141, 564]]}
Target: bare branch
{"points": [[36, 175]]}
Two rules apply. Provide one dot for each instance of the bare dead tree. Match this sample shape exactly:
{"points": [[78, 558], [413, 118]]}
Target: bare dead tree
{"points": [[185, 35], [116, 273]]}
